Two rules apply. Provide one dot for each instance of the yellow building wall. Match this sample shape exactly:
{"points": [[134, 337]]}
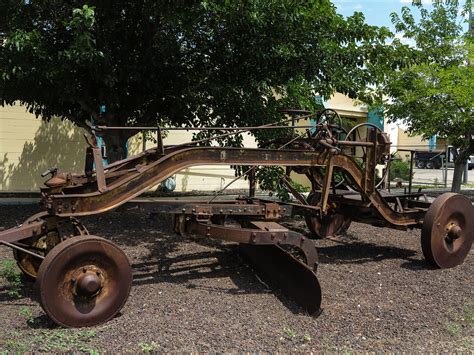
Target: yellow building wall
{"points": [[29, 146], [198, 178]]}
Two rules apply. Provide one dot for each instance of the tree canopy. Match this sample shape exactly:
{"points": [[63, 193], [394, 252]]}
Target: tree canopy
{"points": [[434, 95], [191, 63]]}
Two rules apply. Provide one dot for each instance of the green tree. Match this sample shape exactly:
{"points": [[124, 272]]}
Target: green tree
{"points": [[434, 95], [192, 63]]}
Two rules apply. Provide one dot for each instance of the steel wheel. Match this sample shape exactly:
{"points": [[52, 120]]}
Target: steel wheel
{"points": [[332, 224], [84, 281], [448, 230], [61, 229]]}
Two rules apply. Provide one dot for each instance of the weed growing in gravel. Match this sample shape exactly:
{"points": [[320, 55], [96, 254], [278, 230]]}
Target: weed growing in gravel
{"points": [[26, 313], [307, 338], [10, 272], [453, 328], [147, 348], [60, 340], [459, 323], [469, 314], [63, 340], [289, 333]]}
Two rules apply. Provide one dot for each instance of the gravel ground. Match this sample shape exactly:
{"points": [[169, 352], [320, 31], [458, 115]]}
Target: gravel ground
{"points": [[378, 295]]}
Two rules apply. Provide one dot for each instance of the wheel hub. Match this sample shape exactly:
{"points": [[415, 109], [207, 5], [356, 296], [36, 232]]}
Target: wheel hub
{"points": [[454, 232], [88, 283]]}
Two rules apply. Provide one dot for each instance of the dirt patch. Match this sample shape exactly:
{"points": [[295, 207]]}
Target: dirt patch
{"points": [[378, 294]]}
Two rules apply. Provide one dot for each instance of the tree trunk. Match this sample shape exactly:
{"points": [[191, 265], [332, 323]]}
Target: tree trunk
{"points": [[457, 177], [460, 161], [116, 145]]}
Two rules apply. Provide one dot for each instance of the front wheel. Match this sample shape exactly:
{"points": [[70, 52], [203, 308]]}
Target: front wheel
{"points": [[84, 281], [333, 224]]}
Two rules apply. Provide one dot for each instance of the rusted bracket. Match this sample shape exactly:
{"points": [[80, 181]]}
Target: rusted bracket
{"points": [[98, 162], [327, 185], [266, 234], [293, 191]]}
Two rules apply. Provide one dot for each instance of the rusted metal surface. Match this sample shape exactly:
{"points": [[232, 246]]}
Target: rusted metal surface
{"points": [[448, 230], [264, 233], [48, 231], [84, 281]]}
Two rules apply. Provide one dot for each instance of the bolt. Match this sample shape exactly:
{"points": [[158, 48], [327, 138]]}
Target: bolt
{"points": [[194, 210], [184, 210], [221, 211], [73, 209], [59, 210]]}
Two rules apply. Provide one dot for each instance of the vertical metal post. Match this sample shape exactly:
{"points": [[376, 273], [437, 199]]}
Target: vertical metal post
{"points": [[412, 153], [387, 178], [446, 158], [159, 139], [252, 182]]}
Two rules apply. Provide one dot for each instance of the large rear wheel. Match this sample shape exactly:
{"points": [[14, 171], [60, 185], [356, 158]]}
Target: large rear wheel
{"points": [[448, 230], [333, 224]]}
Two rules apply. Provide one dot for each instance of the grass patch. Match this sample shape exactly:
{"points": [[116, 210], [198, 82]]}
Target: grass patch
{"points": [[148, 348], [468, 313], [59, 340], [462, 323], [453, 328], [12, 275], [25, 312], [289, 333]]}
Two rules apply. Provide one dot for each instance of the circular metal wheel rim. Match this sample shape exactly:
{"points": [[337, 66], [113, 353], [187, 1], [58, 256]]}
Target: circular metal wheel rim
{"points": [[22, 258], [356, 129], [56, 291], [447, 208], [312, 221]]}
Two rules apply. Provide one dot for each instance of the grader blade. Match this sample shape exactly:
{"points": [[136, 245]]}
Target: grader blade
{"points": [[295, 279]]}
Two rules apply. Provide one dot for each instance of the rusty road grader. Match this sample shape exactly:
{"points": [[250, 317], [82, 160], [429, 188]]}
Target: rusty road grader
{"points": [[84, 280]]}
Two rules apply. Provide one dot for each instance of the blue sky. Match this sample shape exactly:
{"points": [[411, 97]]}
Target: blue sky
{"points": [[377, 12]]}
